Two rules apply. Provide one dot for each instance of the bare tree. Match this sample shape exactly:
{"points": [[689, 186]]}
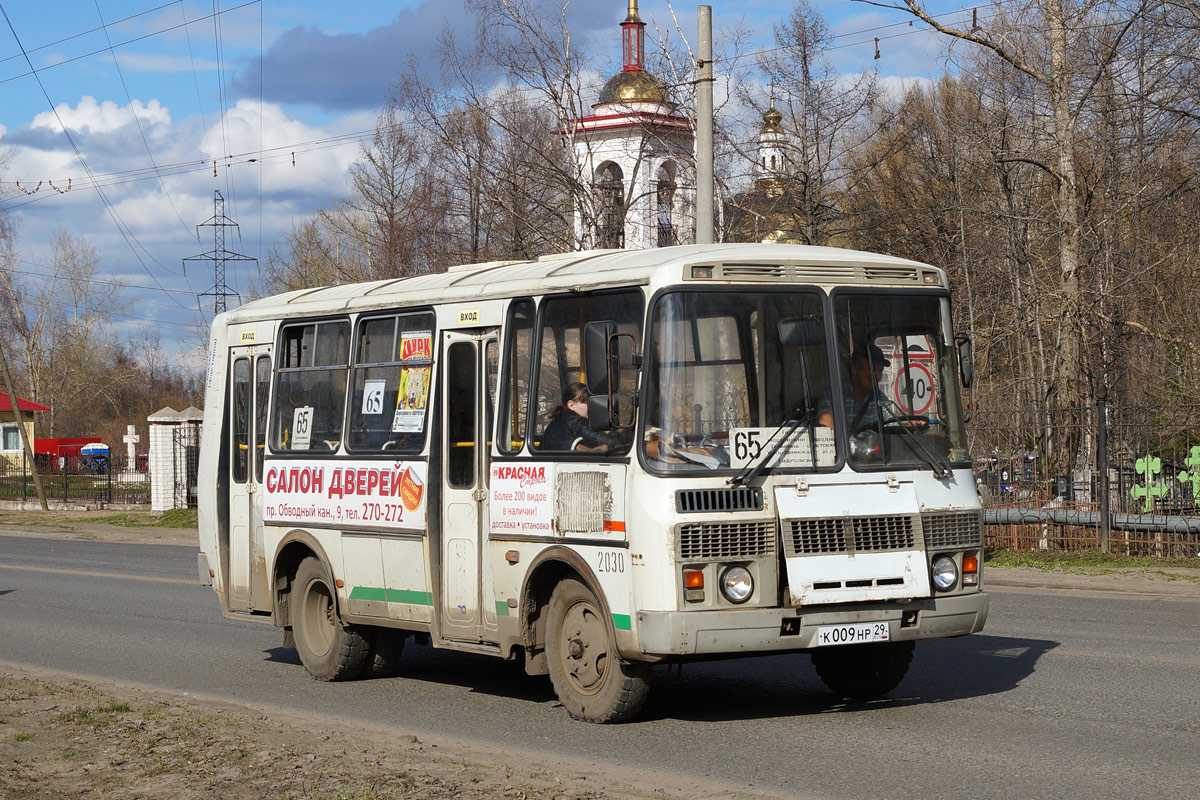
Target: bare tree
{"points": [[1064, 47], [61, 325], [823, 115]]}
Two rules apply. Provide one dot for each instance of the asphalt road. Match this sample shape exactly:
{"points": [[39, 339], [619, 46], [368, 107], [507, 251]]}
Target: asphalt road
{"points": [[1064, 695]]}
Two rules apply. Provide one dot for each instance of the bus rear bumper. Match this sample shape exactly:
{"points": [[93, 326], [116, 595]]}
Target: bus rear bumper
{"points": [[684, 633]]}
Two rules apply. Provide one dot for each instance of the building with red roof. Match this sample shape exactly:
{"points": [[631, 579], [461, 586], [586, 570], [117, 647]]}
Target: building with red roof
{"points": [[12, 454]]}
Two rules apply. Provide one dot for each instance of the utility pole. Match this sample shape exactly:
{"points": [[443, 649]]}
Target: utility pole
{"points": [[218, 255], [29, 457], [704, 128]]}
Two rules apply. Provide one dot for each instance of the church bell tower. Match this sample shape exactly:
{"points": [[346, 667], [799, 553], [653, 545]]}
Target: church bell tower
{"points": [[635, 155]]}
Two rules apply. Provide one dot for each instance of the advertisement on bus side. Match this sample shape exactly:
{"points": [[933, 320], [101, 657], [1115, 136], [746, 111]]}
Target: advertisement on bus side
{"points": [[346, 493]]}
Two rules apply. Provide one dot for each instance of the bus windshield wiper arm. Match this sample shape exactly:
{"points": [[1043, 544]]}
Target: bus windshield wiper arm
{"points": [[941, 467], [789, 427]]}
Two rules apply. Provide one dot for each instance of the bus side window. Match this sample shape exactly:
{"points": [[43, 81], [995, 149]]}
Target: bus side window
{"points": [[393, 362], [514, 387], [560, 359], [311, 386]]}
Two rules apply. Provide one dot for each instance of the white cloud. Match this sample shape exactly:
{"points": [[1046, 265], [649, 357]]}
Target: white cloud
{"points": [[289, 158], [105, 117]]}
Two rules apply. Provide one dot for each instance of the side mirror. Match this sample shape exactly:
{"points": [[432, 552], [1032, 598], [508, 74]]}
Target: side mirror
{"points": [[602, 368], [602, 412], [966, 358]]}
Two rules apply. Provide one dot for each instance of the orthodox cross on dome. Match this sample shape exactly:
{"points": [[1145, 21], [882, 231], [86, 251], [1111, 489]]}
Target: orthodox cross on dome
{"points": [[633, 40]]}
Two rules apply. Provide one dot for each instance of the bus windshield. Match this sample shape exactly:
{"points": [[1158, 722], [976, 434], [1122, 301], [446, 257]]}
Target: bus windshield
{"points": [[900, 404], [739, 378], [727, 370]]}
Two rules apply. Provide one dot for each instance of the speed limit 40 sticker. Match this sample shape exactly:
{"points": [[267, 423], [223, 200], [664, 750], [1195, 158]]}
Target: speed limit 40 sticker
{"points": [[914, 389]]}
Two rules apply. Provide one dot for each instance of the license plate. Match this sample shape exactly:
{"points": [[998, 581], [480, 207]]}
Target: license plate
{"points": [[852, 633]]}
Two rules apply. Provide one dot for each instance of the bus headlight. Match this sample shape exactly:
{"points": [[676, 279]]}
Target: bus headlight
{"points": [[737, 584], [944, 573]]}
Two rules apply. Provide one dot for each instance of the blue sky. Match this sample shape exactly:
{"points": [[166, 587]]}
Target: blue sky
{"points": [[181, 88]]}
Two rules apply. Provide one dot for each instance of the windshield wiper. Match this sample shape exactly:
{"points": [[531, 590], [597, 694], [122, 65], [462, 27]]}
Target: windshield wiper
{"points": [[941, 467], [793, 423]]}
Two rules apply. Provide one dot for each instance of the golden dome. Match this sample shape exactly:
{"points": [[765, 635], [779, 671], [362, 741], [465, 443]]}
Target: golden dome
{"points": [[634, 86], [771, 120]]}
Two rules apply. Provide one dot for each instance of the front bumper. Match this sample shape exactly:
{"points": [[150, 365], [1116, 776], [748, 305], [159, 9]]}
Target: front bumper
{"points": [[687, 633]]}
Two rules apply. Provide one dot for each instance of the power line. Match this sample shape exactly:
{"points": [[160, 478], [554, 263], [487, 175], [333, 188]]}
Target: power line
{"points": [[280, 153], [138, 122], [126, 234], [100, 281], [195, 76], [35, 70], [93, 30], [222, 99]]}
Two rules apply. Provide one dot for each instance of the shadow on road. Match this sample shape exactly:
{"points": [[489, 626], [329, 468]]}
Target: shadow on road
{"points": [[283, 655], [750, 688], [788, 685]]}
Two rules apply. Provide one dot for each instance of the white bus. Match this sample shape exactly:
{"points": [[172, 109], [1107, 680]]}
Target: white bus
{"points": [[766, 455]]}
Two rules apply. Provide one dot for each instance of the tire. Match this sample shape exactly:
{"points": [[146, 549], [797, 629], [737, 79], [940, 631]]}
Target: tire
{"points": [[383, 657], [863, 671], [589, 677], [329, 650]]}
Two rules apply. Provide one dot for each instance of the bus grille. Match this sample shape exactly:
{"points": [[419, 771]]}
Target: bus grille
{"points": [[855, 534], [712, 540], [813, 536], [688, 501], [952, 529]]}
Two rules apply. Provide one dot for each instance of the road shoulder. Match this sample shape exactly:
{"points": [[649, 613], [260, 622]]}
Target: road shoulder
{"points": [[66, 736]]}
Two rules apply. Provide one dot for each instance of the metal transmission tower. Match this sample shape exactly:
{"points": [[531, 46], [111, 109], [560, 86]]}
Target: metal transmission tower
{"points": [[218, 255]]}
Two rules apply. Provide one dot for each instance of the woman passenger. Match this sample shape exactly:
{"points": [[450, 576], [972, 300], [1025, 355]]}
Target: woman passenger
{"points": [[569, 430]]}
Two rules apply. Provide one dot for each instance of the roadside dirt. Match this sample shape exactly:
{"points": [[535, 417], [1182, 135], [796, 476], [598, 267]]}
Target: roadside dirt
{"points": [[62, 739]]}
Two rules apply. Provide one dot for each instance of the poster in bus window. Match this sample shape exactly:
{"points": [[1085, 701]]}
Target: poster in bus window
{"points": [[416, 346], [410, 404]]}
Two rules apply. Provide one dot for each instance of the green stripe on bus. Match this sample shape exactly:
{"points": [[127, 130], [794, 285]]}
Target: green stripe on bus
{"points": [[622, 622], [502, 608], [391, 595]]}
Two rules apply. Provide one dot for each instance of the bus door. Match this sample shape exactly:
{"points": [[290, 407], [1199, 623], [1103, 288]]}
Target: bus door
{"points": [[250, 381], [468, 408]]}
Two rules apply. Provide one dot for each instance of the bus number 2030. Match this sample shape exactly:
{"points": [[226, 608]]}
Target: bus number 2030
{"points": [[611, 562]]}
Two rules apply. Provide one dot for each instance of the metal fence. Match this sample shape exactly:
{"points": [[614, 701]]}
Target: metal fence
{"points": [[1099, 477], [75, 479]]}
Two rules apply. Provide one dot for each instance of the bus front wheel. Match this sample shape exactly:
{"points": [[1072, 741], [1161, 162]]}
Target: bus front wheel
{"points": [[589, 677], [329, 650], [863, 671]]}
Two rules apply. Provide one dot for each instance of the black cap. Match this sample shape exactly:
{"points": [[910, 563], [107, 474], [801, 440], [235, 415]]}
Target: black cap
{"points": [[870, 351]]}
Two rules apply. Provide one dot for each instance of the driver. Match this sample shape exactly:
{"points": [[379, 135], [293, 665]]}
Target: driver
{"points": [[867, 364]]}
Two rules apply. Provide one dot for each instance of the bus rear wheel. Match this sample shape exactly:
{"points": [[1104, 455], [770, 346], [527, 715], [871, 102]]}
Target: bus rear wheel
{"points": [[589, 677], [329, 650], [863, 671]]}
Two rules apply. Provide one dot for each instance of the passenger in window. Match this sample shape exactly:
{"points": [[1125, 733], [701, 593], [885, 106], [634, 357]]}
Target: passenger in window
{"points": [[569, 430]]}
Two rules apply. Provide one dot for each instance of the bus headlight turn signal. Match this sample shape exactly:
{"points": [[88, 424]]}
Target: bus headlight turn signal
{"points": [[970, 569]]}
